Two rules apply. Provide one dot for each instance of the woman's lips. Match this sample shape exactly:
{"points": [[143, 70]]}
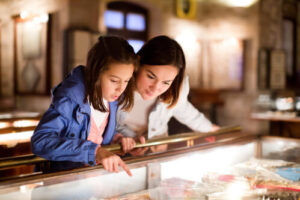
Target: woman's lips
{"points": [[148, 93]]}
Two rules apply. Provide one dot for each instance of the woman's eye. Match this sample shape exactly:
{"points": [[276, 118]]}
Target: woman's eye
{"points": [[166, 83], [151, 77], [114, 81]]}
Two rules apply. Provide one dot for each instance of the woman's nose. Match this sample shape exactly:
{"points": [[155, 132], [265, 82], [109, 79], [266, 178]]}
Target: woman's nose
{"points": [[154, 86]]}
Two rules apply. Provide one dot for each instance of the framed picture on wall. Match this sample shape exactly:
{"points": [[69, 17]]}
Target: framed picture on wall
{"points": [[226, 60], [79, 42], [32, 55], [277, 69], [186, 8], [263, 70]]}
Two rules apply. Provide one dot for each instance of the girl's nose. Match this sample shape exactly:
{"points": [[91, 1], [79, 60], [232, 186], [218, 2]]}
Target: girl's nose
{"points": [[119, 88]]}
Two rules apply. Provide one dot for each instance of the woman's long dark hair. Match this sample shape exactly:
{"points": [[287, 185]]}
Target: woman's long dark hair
{"points": [[162, 50], [108, 50]]}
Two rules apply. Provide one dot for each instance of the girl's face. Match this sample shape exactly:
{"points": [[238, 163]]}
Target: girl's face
{"points": [[114, 80], [154, 80]]}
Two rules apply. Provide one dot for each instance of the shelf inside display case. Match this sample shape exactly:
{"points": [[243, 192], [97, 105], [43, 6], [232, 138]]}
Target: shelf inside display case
{"points": [[236, 167]]}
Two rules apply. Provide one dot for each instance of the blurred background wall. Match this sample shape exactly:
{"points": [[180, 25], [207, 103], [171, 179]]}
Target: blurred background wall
{"points": [[231, 49]]}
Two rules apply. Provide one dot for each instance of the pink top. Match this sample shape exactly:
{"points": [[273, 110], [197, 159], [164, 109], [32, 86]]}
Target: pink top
{"points": [[96, 133]]}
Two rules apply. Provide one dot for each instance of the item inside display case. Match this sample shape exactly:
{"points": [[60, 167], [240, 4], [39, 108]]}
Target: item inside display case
{"points": [[239, 167], [255, 179]]}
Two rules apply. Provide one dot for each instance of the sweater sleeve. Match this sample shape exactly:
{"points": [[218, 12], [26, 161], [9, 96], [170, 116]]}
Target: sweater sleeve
{"points": [[187, 114]]}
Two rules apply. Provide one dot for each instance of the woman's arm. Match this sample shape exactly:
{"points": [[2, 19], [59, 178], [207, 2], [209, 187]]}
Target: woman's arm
{"points": [[187, 114]]}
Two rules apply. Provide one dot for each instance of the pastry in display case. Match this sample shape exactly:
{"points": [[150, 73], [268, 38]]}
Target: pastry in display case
{"points": [[235, 166]]}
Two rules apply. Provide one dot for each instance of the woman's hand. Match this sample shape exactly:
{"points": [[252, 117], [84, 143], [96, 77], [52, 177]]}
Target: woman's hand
{"points": [[214, 127], [159, 148], [127, 144], [139, 151], [110, 161], [212, 139]]}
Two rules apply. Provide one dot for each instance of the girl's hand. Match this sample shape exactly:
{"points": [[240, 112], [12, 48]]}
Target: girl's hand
{"points": [[110, 161]]}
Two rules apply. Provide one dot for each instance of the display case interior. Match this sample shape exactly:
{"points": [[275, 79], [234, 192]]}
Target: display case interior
{"points": [[236, 167], [16, 129]]}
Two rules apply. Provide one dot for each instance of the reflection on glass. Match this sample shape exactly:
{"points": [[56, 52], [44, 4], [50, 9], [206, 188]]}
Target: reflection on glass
{"points": [[114, 19], [284, 103], [12, 139], [135, 22], [4, 125], [25, 123]]}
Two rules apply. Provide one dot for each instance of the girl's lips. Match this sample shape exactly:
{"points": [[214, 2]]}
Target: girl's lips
{"points": [[115, 97]]}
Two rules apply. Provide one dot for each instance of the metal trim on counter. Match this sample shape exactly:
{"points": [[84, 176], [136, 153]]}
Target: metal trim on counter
{"points": [[10, 162], [178, 138], [137, 161]]}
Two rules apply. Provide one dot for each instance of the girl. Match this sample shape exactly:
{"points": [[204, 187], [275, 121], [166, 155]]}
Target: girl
{"points": [[160, 93], [82, 114]]}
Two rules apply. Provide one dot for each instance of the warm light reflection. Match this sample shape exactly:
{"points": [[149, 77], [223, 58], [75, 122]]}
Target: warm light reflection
{"points": [[231, 42], [238, 3], [187, 40], [25, 123], [29, 187], [197, 165], [12, 139], [24, 14], [35, 19], [43, 18], [4, 125], [237, 190]]}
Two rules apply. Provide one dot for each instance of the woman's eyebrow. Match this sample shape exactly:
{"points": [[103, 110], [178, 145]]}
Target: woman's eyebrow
{"points": [[151, 72]]}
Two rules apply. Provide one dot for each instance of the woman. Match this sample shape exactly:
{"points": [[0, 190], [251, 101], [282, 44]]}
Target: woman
{"points": [[161, 93]]}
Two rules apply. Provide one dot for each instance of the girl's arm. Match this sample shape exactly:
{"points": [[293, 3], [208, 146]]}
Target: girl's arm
{"points": [[55, 138]]}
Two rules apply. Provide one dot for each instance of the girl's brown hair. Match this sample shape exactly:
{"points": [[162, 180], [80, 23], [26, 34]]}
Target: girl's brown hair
{"points": [[162, 50], [108, 50]]}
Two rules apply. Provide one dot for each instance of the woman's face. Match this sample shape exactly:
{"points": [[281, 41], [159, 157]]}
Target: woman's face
{"points": [[114, 80], [154, 80]]}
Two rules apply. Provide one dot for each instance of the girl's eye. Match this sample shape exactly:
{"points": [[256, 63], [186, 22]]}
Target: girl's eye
{"points": [[166, 83], [114, 81]]}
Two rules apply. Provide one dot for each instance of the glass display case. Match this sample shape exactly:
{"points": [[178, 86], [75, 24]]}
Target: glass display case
{"points": [[16, 129], [235, 166]]}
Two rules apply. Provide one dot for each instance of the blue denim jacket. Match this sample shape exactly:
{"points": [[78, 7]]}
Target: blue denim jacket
{"points": [[62, 133]]}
